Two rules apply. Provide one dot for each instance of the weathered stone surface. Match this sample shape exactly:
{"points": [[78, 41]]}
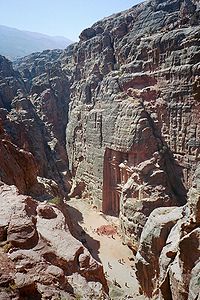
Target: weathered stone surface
{"points": [[131, 97], [19, 167], [34, 115], [16, 165], [41, 254], [133, 129], [169, 251], [128, 97]]}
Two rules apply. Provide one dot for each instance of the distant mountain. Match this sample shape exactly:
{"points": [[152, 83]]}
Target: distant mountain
{"points": [[15, 43]]}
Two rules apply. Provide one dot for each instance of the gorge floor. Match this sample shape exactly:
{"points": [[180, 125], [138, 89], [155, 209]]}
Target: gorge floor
{"points": [[108, 250]]}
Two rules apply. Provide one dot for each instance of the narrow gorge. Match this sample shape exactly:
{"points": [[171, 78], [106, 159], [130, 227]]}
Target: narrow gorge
{"points": [[113, 122]]}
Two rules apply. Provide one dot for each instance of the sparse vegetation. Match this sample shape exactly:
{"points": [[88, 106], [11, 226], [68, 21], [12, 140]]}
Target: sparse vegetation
{"points": [[56, 200], [7, 247], [12, 286]]}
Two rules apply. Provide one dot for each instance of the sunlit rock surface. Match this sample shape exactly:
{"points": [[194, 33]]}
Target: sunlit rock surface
{"points": [[115, 118], [40, 254]]}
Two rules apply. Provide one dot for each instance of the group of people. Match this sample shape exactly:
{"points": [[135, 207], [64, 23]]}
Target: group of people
{"points": [[121, 261]]}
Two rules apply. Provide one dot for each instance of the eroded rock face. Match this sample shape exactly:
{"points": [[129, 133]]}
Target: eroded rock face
{"points": [[16, 165], [19, 167], [169, 250], [133, 130], [134, 92], [128, 97], [133, 86], [33, 112], [43, 260]]}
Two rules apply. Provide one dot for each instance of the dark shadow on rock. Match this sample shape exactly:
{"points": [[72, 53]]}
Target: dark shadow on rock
{"points": [[168, 163], [80, 234]]}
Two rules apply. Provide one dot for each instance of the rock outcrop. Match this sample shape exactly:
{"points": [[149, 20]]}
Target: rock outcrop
{"points": [[17, 166], [168, 259], [115, 118], [33, 111], [41, 259]]}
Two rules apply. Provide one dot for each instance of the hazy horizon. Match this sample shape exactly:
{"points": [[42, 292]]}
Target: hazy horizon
{"points": [[35, 32], [62, 18]]}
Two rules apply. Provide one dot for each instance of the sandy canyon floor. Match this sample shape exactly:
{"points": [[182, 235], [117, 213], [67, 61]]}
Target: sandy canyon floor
{"points": [[116, 258]]}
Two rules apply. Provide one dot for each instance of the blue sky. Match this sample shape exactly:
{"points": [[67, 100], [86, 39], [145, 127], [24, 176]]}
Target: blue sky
{"points": [[58, 17]]}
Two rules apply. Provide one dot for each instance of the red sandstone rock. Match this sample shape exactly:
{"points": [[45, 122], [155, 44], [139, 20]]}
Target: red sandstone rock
{"points": [[133, 86], [34, 117], [17, 166], [41, 251]]}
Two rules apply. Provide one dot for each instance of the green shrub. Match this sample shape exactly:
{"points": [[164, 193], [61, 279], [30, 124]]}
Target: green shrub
{"points": [[56, 200]]}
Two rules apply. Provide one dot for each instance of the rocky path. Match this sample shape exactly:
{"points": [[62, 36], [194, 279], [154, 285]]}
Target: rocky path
{"points": [[109, 250]]}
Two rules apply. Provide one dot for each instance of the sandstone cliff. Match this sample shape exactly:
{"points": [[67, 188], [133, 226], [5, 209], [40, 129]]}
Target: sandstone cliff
{"points": [[133, 132], [34, 115], [134, 113], [115, 118]]}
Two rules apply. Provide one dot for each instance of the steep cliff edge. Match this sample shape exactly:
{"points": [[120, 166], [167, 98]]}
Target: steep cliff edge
{"points": [[134, 110], [133, 132], [128, 97], [33, 113]]}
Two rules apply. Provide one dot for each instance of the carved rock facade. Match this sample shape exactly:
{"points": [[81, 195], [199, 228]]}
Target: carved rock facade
{"points": [[128, 97]]}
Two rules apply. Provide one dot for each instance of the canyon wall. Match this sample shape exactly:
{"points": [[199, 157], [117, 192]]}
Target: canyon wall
{"points": [[33, 111], [133, 133], [168, 256], [115, 118], [133, 129], [40, 258]]}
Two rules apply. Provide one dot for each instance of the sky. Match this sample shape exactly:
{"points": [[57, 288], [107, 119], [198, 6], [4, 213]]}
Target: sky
{"points": [[58, 17]]}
